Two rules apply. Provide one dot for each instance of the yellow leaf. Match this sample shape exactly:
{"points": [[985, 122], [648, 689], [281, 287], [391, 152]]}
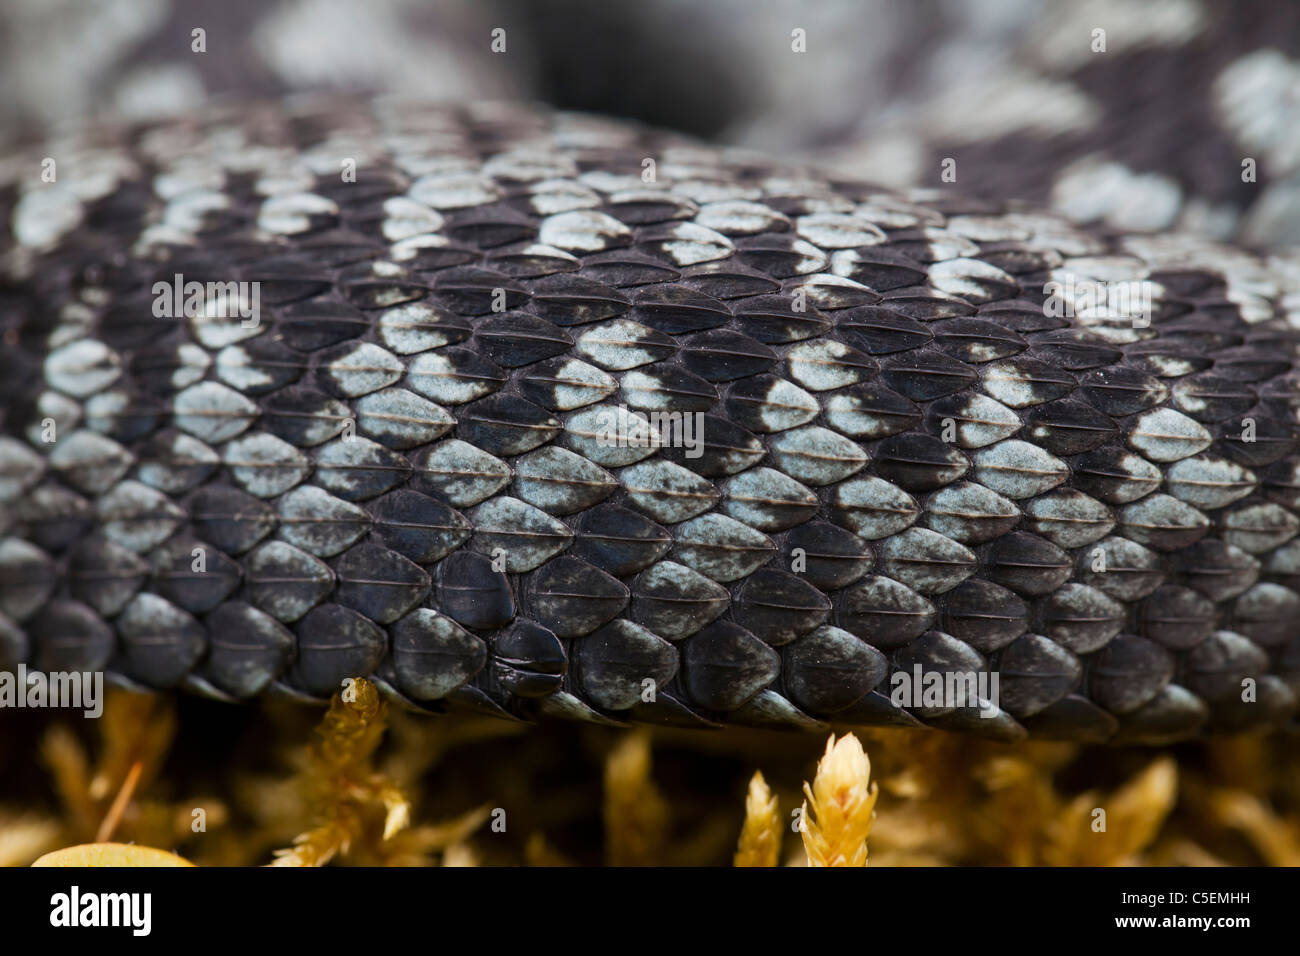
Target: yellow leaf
{"points": [[110, 854]]}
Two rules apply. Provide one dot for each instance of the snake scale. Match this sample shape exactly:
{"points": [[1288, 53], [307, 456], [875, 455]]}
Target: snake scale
{"points": [[538, 414]]}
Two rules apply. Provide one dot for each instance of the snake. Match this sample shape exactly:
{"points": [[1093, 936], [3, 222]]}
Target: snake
{"points": [[539, 414]]}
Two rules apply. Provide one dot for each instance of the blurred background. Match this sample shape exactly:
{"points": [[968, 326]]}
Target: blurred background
{"points": [[1142, 130]]}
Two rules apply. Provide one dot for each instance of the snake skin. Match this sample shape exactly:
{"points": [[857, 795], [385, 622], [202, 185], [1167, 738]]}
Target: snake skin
{"points": [[399, 470]]}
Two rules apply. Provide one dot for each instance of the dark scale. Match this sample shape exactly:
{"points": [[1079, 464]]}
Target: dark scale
{"points": [[778, 606], [1036, 672], [775, 320], [724, 356], [505, 425], [727, 280], [575, 300], [676, 310], [898, 457], [573, 598]]}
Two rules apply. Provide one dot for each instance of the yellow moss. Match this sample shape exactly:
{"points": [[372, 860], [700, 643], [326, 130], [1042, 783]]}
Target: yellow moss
{"points": [[357, 811], [339, 783], [69, 765], [102, 801], [1019, 800], [539, 852], [1181, 852], [460, 855], [418, 845], [1133, 816], [636, 817], [135, 728], [953, 800], [760, 836], [908, 831], [839, 807], [1276, 839]]}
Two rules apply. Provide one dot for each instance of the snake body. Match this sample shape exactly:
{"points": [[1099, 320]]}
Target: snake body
{"points": [[910, 452]]}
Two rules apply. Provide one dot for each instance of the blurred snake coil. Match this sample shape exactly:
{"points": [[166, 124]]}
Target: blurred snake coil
{"points": [[539, 415]]}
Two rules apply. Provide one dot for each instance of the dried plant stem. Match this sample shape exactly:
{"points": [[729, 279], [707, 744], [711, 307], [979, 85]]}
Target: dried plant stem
{"points": [[114, 815]]}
